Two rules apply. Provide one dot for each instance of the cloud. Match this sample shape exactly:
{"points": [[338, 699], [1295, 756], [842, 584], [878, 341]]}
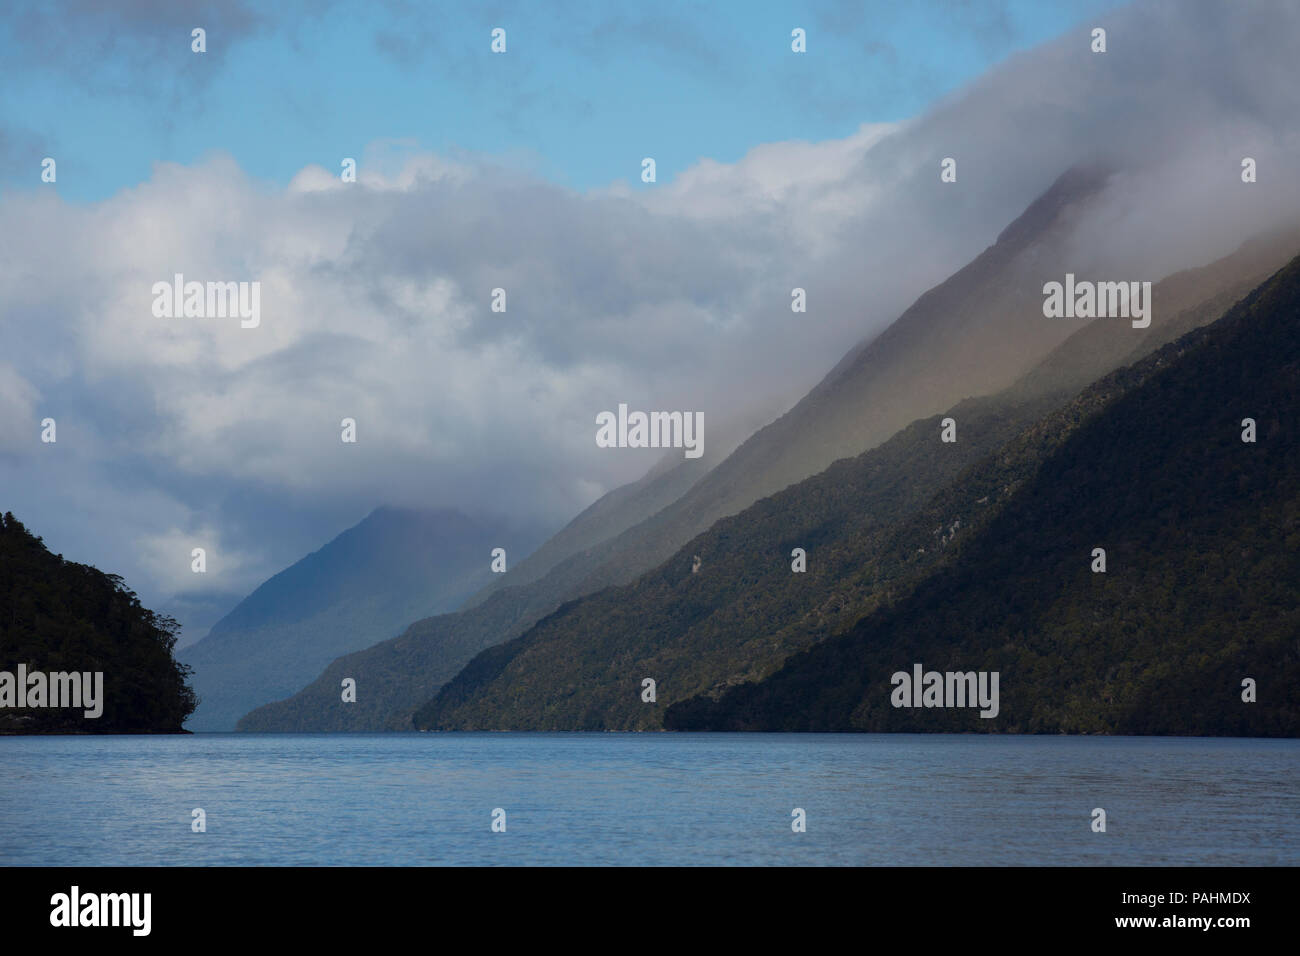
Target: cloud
{"points": [[376, 296], [168, 556], [17, 412]]}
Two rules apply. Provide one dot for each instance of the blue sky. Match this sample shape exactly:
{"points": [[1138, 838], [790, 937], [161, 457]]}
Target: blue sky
{"points": [[584, 91]]}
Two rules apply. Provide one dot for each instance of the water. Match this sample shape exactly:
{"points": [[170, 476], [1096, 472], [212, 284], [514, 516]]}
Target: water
{"points": [[427, 799]]}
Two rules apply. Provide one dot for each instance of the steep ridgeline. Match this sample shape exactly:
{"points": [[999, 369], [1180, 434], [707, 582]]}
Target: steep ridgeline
{"points": [[583, 537], [973, 334], [1200, 594], [396, 676], [870, 526], [394, 567], [76, 622]]}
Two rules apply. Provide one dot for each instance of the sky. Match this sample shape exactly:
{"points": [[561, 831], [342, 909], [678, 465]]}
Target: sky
{"points": [[521, 171], [582, 94]]}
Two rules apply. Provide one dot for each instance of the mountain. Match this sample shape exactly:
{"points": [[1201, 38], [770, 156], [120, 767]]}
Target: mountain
{"points": [[879, 387], [394, 567], [727, 608], [402, 672], [611, 515], [1201, 590], [992, 306], [58, 617], [974, 333]]}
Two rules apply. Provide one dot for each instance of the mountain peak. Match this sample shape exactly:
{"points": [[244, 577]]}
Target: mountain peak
{"points": [[1079, 182]]}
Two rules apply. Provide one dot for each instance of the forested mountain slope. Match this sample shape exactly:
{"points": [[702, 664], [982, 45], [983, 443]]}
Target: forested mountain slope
{"points": [[1201, 590], [871, 527]]}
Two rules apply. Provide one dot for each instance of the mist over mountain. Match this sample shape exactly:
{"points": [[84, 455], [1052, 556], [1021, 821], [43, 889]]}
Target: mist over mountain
{"points": [[727, 608], [365, 585], [1000, 292], [881, 385]]}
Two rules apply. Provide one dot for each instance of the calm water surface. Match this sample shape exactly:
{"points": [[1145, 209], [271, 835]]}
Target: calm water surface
{"points": [[427, 799]]}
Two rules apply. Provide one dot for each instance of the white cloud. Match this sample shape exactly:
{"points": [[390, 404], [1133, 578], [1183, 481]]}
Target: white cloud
{"points": [[168, 556], [375, 295]]}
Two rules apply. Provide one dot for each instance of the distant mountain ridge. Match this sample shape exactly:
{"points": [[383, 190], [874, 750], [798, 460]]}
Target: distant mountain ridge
{"points": [[365, 585], [400, 673]]}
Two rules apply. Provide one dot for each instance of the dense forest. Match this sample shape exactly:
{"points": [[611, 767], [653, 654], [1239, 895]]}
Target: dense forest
{"points": [[1201, 590], [59, 616]]}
